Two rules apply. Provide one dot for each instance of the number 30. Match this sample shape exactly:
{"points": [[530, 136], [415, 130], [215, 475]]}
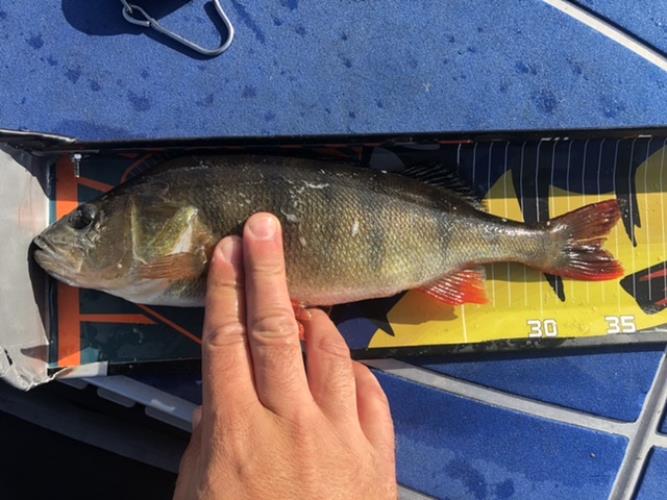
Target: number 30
{"points": [[543, 328]]}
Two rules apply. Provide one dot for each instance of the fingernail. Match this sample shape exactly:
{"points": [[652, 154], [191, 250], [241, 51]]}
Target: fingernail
{"points": [[262, 227], [227, 249]]}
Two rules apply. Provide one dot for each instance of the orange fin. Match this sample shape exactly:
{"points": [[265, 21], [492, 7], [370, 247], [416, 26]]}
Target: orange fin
{"points": [[300, 315], [299, 309], [585, 230], [461, 287], [177, 266]]}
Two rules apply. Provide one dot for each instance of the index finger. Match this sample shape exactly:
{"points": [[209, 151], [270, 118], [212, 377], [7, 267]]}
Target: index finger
{"points": [[226, 365]]}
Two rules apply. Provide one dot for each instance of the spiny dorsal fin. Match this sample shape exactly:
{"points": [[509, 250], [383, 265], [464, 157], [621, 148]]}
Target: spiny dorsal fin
{"points": [[147, 163], [436, 174], [167, 160]]}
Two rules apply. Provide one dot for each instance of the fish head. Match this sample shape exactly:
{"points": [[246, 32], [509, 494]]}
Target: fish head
{"points": [[134, 242], [89, 247]]}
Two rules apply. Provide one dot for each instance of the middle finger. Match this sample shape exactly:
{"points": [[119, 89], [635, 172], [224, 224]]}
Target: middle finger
{"points": [[280, 375]]}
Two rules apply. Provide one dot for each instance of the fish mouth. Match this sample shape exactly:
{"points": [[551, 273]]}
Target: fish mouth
{"points": [[48, 261], [43, 244], [52, 261], [45, 253], [44, 259]]}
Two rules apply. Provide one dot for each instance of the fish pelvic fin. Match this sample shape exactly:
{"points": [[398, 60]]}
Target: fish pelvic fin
{"points": [[461, 287], [576, 239], [179, 266]]}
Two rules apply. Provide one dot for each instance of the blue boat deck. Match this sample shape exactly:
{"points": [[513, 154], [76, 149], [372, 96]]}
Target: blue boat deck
{"points": [[567, 426]]}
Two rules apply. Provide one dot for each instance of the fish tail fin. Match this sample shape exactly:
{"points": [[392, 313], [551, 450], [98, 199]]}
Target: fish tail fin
{"points": [[577, 238]]}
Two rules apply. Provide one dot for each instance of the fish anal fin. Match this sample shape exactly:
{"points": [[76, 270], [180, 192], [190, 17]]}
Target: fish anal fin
{"points": [[461, 287], [178, 266]]}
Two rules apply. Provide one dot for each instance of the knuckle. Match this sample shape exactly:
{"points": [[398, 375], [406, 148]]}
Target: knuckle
{"points": [[301, 428], [218, 282], [300, 423], [277, 327], [224, 335], [217, 416], [267, 268]]}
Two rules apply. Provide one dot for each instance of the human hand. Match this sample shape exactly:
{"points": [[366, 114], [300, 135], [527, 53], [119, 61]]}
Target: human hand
{"points": [[268, 428]]}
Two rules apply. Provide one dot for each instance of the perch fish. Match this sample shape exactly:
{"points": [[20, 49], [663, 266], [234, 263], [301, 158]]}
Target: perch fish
{"points": [[350, 233]]}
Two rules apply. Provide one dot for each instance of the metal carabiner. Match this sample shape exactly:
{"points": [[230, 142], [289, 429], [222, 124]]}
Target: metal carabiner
{"points": [[147, 21]]}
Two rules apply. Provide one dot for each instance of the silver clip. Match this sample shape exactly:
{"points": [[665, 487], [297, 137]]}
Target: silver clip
{"points": [[130, 10]]}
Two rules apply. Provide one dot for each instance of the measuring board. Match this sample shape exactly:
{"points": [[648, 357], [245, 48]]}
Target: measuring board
{"points": [[529, 181]]}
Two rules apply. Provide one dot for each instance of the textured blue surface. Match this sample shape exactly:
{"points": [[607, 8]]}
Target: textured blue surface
{"points": [[452, 447], [654, 482], [607, 384], [647, 19], [305, 68], [449, 446]]}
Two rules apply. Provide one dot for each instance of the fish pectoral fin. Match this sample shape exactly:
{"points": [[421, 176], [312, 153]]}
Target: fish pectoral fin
{"points": [[461, 287], [178, 266]]}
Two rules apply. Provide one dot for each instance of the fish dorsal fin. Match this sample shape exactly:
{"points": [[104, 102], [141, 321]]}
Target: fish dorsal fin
{"points": [[148, 163], [460, 287], [436, 174]]}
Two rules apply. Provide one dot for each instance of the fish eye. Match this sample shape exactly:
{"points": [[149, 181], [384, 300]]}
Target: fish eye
{"points": [[82, 217]]}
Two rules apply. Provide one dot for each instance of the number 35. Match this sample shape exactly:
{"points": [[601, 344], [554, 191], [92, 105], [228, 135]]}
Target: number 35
{"points": [[621, 324]]}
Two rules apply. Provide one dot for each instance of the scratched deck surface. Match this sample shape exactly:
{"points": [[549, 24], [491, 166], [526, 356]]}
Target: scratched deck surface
{"points": [[351, 67]]}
